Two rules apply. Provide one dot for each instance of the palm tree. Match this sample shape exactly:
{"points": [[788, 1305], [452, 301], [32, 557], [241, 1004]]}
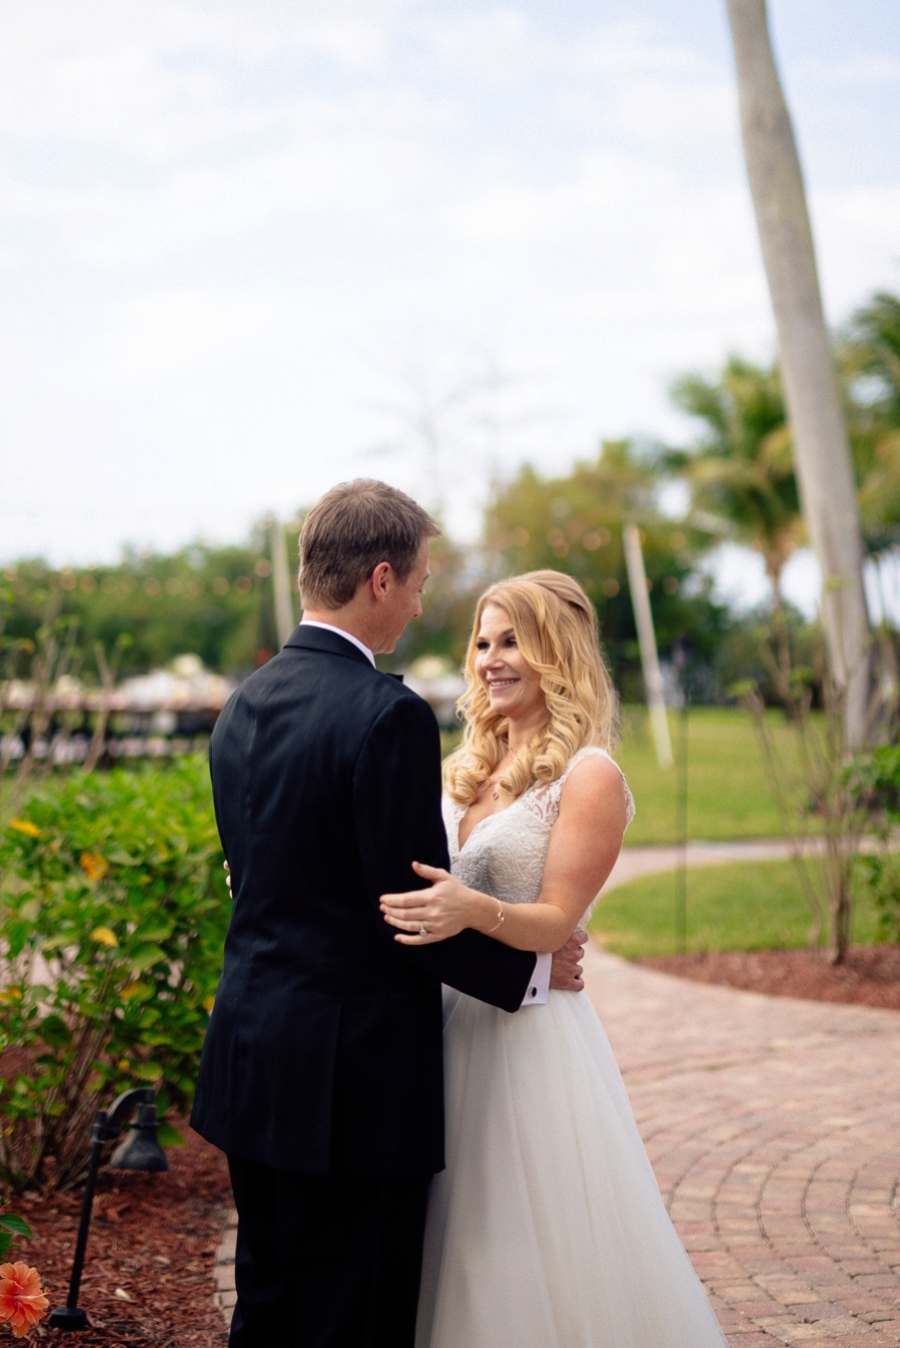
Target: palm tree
{"points": [[742, 469], [821, 448]]}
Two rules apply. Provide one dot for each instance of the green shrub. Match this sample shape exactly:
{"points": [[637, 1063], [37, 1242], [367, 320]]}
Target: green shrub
{"points": [[113, 917], [880, 873], [875, 779]]}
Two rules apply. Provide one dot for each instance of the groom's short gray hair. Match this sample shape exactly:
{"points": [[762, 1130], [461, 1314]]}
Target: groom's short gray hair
{"points": [[354, 527]]}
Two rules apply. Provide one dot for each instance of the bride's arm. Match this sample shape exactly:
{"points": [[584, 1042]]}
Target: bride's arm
{"points": [[584, 844]]}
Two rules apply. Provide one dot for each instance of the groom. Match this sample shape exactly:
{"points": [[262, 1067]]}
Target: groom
{"points": [[321, 1075]]}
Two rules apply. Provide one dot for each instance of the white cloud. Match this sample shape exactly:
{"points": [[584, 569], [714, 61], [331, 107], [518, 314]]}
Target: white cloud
{"points": [[664, 112], [492, 46], [158, 79], [866, 68], [801, 582], [354, 157], [882, 583], [740, 581], [633, 46], [857, 232], [210, 210], [174, 333]]}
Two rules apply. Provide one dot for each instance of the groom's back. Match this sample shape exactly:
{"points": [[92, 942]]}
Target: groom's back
{"points": [[283, 779], [317, 1022]]}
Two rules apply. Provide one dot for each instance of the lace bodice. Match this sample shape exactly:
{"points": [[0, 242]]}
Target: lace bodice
{"points": [[504, 855]]}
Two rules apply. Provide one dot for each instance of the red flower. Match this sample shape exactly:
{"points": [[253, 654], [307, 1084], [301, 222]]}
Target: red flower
{"points": [[22, 1302]]}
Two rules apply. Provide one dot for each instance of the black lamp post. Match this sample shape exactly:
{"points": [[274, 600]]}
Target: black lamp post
{"points": [[139, 1151]]}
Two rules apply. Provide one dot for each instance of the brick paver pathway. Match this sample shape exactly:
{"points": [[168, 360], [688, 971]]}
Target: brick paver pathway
{"points": [[773, 1126]]}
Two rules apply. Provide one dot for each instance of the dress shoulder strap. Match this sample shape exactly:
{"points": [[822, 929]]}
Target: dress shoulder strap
{"points": [[551, 794]]}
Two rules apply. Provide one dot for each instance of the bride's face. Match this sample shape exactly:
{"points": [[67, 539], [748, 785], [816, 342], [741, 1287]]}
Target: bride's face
{"points": [[514, 688]]}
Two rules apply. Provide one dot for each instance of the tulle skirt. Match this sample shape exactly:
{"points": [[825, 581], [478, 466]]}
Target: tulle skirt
{"points": [[547, 1229]]}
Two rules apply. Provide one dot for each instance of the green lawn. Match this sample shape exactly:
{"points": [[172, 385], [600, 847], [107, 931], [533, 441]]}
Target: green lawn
{"points": [[728, 796], [744, 906]]}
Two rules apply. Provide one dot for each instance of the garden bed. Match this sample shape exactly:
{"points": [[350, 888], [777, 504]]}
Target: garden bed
{"points": [[153, 1238], [869, 975]]}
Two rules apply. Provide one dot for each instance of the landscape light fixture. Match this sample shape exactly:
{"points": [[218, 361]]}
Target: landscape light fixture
{"points": [[139, 1151]]}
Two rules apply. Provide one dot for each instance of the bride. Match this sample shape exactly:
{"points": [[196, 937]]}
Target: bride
{"points": [[547, 1229]]}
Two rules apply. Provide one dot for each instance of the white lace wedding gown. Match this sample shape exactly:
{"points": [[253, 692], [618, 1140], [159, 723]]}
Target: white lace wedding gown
{"points": [[547, 1229]]}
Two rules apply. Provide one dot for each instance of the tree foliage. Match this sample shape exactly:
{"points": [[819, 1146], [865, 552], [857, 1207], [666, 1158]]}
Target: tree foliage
{"points": [[870, 362], [214, 602], [574, 524], [457, 578], [741, 468]]}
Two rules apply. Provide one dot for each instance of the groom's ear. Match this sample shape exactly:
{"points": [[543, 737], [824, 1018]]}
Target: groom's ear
{"points": [[381, 580]]}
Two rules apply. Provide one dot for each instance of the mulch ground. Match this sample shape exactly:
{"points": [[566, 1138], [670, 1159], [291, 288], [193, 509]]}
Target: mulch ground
{"points": [[869, 975], [153, 1238]]}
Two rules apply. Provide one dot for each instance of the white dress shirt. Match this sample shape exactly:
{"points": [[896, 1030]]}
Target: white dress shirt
{"points": [[539, 987], [341, 632]]}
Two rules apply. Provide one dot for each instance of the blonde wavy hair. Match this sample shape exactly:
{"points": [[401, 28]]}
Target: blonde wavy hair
{"points": [[556, 629]]}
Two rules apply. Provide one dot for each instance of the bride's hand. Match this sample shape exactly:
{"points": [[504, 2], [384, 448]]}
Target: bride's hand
{"points": [[423, 916]]}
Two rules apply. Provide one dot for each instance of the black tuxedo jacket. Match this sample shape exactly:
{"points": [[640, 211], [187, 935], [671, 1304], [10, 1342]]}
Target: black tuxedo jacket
{"points": [[323, 1053]]}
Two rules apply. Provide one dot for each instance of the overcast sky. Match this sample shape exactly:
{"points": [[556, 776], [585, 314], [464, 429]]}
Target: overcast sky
{"points": [[248, 250]]}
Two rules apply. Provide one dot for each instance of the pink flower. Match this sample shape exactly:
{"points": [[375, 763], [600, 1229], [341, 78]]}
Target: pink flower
{"points": [[22, 1302]]}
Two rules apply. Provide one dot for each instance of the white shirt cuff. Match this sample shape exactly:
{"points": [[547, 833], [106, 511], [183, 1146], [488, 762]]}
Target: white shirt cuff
{"points": [[539, 986]]}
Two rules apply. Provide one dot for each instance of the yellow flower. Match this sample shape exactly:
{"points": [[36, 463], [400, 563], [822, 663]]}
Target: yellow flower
{"points": [[132, 990], [105, 935], [209, 1003], [25, 826], [123, 1064], [94, 865]]}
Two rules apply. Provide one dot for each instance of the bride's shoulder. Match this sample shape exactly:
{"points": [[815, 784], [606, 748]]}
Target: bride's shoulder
{"points": [[594, 781], [590, 768]]}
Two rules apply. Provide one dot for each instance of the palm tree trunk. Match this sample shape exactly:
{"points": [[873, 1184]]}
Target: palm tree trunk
{"points": [[821, 447], [643, 621]]}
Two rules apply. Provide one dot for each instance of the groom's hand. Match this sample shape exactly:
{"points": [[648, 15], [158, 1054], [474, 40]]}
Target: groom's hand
{"points": [[566, 971]]}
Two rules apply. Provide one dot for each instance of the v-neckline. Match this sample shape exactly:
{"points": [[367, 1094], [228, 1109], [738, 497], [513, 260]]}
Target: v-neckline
{"points": [[461, 811], [475, 827]]}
